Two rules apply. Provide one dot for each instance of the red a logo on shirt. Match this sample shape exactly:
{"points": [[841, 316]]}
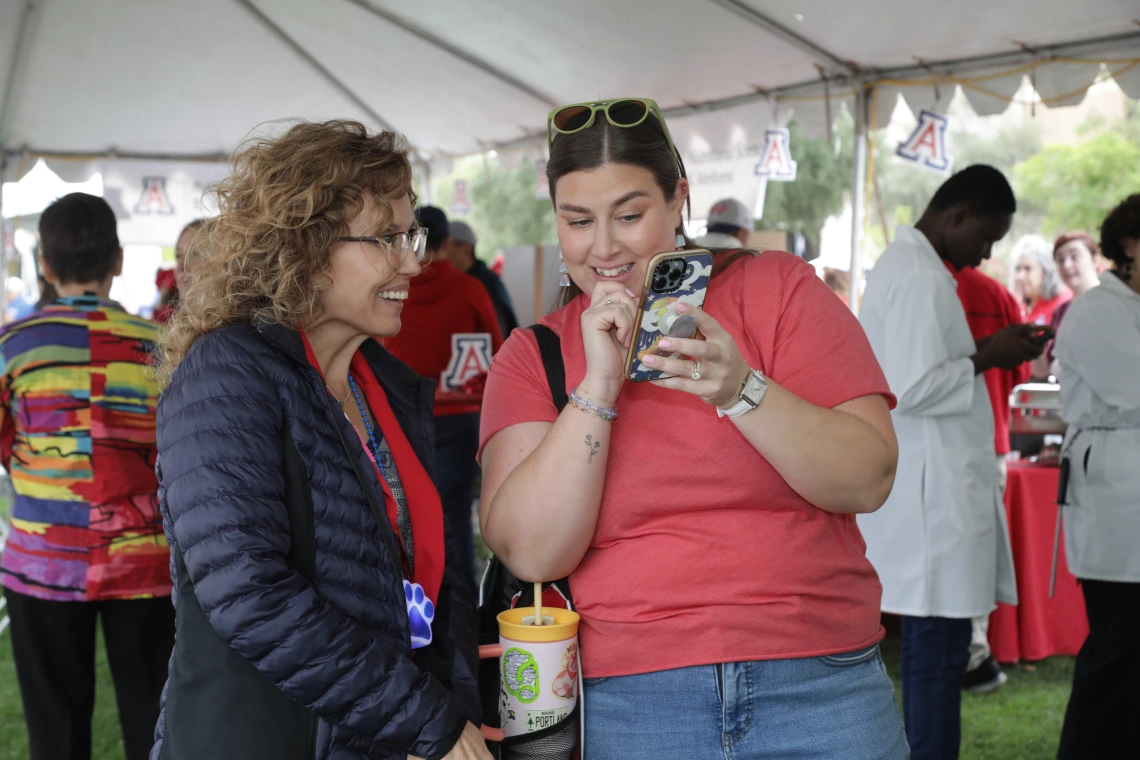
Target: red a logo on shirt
{"points": [[470, 357]]}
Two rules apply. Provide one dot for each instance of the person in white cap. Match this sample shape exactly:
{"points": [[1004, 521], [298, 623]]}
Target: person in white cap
{"points": [[730, 225], [461, 253]]}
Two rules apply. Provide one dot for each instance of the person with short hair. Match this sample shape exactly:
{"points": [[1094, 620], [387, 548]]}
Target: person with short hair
{"points": [[940, 543], [462, 255], [77, 434], [1098, 350], [729, 225]]}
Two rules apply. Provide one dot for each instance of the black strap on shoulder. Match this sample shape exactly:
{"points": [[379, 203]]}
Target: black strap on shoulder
{"points": [[550, 346]]}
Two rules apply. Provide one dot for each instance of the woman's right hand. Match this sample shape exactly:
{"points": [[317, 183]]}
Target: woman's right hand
{"points": [[471, 746], [607, 329]]}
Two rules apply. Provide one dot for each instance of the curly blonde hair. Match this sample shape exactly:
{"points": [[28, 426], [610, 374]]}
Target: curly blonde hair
{"points": [[265, 257]]}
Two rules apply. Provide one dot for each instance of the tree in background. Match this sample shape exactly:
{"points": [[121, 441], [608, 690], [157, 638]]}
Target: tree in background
{"points": [[504, 209], [1074, 186], [907, 188], [823, 174]]}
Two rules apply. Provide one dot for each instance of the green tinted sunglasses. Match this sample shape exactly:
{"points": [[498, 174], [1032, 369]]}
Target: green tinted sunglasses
{"points": [[620, 112]]}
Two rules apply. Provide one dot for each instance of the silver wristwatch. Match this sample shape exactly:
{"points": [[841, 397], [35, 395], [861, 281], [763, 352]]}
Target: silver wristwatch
{"points": [[751, 394]]}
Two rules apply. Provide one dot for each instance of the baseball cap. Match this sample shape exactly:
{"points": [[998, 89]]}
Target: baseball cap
{"points": [[729, 212], [461, 232]]}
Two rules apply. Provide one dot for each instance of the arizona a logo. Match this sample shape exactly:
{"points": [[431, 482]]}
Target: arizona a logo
{"points": [[154, 199], [926, 146], [470, 357], [776, 161], [460, 205]]}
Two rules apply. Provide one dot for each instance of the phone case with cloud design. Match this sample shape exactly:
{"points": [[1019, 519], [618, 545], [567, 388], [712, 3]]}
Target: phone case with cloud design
{"points": [[659, 298]]}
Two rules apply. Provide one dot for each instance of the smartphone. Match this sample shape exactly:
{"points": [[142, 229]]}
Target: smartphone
{"points": [[1042, 335], [671, 278]]}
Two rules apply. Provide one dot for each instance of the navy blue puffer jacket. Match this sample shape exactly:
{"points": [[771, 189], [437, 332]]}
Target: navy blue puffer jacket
{"points": [[293, 638]]}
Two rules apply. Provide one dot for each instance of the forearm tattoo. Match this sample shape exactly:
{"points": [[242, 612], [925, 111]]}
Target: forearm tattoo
{"points": [[593, 447]]}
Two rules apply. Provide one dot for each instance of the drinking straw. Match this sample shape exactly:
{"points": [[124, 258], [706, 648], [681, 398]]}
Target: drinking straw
{"points": [[538, 603]]}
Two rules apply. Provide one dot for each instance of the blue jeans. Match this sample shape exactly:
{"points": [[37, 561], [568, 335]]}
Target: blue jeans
{"points": [[456, 444], [842, 706], [935, 653]]}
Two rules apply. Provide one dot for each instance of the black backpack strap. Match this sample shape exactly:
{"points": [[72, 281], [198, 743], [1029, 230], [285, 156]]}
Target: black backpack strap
{"points": [[550, 346]]}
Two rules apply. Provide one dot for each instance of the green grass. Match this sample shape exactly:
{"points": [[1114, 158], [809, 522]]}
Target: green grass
{"points": [[1020, 721]]}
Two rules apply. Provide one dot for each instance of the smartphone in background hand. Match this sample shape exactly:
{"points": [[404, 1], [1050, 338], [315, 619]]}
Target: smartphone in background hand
{"points": [[1042, 335], [671, 278]]}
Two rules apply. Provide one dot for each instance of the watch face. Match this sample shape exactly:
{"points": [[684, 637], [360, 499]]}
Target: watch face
{"points": [[754, 389]]}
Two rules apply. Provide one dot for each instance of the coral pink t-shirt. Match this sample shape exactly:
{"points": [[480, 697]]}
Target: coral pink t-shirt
{"points": [[703, 554]]}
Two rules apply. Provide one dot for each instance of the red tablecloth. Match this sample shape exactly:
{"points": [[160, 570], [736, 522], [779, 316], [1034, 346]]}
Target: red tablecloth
{"points": [[1038, 627]]}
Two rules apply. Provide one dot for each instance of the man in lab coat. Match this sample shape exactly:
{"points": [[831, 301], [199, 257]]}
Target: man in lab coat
{"points": [[940, 543]]}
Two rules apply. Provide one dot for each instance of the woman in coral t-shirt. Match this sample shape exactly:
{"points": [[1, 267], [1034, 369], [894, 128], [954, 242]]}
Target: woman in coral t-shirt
{"points": [[725, 597]]}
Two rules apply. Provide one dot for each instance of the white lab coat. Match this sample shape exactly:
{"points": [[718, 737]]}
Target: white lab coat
{"points": [[940, 542], [1098, 349]]}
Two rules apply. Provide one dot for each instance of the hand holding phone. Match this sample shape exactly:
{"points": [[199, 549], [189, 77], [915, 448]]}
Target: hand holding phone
{"points": [[671, 278]]}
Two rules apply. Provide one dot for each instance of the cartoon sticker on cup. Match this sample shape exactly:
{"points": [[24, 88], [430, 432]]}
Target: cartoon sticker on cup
{"points": [[539, 668]]}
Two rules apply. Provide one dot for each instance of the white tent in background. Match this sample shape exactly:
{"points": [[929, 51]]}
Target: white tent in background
{"points": [[187, 80]]}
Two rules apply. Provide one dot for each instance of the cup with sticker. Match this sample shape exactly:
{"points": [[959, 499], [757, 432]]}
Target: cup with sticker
{"points": [[539, 666]]}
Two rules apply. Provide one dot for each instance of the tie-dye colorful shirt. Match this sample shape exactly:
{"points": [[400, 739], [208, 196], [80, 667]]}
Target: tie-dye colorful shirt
{"points": [[77, 416]]}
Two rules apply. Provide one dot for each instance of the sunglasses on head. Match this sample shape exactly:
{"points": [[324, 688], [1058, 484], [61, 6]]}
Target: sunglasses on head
{"points": [[620, 112]]}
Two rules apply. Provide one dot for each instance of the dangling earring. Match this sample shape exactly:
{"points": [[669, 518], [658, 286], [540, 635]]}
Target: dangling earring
{"points": [[563, 274], [680, 242]]}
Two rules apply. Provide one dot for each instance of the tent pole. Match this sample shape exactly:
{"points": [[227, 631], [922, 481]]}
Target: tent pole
{"points": [[20, 53], [858, 194]]}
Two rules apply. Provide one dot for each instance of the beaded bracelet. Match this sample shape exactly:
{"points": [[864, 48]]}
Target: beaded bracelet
{"points": [[608, 414]]}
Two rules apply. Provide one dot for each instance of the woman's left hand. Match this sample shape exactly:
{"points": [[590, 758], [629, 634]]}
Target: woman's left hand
{"points": [[716, 359]]}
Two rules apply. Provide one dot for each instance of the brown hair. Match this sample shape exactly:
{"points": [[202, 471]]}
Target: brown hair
{"points": [[1076, 236], [265, 257], [838, 280], [643, 146]]}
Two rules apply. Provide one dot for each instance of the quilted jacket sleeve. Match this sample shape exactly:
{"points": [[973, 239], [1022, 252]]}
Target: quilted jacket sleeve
{"points": [[219, 434], [463, 629]]}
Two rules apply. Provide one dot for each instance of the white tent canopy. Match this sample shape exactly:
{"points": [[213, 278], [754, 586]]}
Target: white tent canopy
{"points": [[176, 79]]}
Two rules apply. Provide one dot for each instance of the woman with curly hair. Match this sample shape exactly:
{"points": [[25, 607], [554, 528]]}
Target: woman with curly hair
{"points": [[1098, 349], [320, 612]]}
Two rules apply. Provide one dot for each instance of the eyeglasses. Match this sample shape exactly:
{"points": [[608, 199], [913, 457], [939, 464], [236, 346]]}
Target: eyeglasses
{"points": [[396, 246], [624, 113]]}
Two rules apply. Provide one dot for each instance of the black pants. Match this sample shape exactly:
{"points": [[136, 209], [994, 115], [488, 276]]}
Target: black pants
{"points": [[53, 644], [456, 444], [1103, 719]]}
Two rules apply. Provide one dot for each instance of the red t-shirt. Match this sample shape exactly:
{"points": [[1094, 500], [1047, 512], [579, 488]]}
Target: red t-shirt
{"points": [[991, 307], [1042, 312], [726, 563], [443, 303]]}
